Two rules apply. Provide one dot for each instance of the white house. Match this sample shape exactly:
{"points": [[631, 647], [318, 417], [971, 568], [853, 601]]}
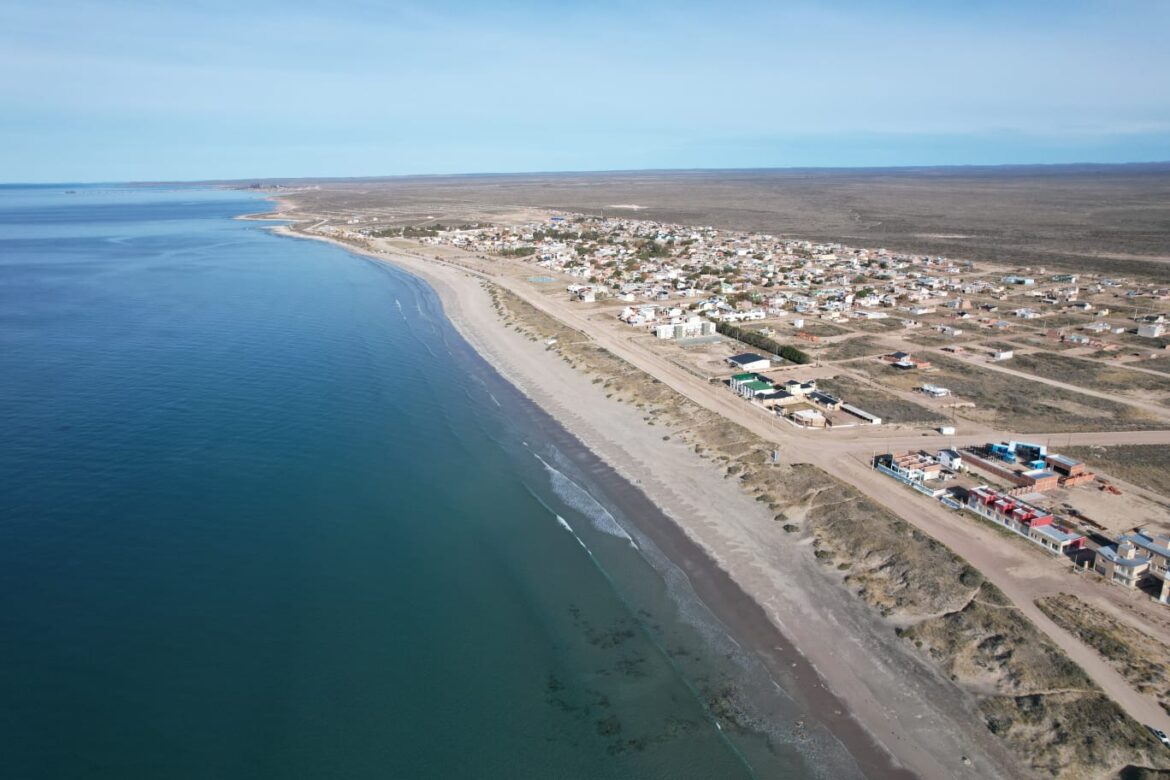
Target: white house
{"points": [[1151, 330], [950, 459]]}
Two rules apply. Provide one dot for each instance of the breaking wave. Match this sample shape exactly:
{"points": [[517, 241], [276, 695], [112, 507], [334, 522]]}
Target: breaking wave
{"points": [[579, 498]]}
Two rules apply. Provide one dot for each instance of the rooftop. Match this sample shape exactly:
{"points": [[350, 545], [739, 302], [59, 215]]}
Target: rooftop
{"points": [[1110, 553], [746, 357]]}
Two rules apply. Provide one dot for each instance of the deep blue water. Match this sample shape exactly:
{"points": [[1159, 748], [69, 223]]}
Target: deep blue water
{"points": [[263, 514]]}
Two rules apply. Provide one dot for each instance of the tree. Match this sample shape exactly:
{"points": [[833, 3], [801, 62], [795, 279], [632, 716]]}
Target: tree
{"points": [[760, 341]]}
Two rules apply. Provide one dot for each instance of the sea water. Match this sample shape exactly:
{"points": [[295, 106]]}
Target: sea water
{"points": [[264, 514]]}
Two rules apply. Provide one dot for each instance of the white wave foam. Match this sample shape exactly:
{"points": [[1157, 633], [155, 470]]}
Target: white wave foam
{"points": [[578, 498], [565, 524]]}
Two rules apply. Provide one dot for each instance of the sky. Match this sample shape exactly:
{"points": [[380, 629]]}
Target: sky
{"points": [[121, 90]]}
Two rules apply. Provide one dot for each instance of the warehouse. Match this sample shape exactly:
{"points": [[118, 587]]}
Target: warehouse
{"points": [[750, 361]]}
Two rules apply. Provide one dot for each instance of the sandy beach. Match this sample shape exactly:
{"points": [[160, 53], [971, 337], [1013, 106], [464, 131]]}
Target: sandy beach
{"points": [[894, 713]]}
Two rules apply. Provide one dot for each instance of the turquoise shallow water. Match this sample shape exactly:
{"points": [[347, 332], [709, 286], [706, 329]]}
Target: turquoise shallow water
{"points": [[264, 514]]}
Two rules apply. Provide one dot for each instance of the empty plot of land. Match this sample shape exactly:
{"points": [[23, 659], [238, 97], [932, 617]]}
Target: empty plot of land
{"points": [[822, 328], [1161, 364], [1095, 376], [883, 325], [890, 408], [1145, 465], [1011, 403], [851, 348], [932, 338]]}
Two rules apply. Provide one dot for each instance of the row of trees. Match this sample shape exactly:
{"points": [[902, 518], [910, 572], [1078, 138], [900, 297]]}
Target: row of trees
{"points": [[760, 341], [520, 251]]}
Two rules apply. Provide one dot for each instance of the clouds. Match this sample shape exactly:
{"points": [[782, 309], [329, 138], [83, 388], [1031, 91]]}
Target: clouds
{"points": [[227, 89]]}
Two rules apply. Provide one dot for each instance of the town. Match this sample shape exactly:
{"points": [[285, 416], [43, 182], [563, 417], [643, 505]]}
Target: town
{"points": [[827, 337]]}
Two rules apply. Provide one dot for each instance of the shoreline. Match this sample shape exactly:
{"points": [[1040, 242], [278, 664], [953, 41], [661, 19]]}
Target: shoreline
{"points": [[880, 722]]}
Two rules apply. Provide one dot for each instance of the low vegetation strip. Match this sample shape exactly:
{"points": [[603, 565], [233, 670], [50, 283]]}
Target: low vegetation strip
{"points": [[852, 348], [760, 341], [890, 408], [1141, 659], [1028, 692]]}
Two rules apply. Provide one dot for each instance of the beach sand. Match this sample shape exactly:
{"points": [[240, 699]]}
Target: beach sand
{"points": [[893, 712]]}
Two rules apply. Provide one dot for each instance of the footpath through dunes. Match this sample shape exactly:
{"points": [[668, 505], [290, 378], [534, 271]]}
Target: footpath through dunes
{"points": [[904, 693]]}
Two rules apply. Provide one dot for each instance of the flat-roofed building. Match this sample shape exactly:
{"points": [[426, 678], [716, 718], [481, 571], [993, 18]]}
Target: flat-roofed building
{"points": [[1065, 466], [1025, 519], [950, 459], [810, 418], [1041, 480], [750, 361], [916, 466]]}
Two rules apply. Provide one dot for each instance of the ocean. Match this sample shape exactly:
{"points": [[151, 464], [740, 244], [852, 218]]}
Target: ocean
{"points": [[265, 514]]}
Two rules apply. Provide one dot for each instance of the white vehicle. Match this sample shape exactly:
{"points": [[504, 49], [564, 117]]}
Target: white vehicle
{"points": [[1161, 735]]}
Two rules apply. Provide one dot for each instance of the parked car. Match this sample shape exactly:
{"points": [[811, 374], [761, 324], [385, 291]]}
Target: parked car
{"points": [[1161, 735]]}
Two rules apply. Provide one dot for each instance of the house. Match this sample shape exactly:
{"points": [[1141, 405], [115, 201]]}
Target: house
{"points": [[950, 459], [755, 388], [809, 418], [796, 387], [750, 361], [1151, 330], [749, 384], [1002, 354], [1064, 465], [825, 400], [693, 327], [1030, 522], [914, 466], [904, 361], [1136, 554], [1040, 480], [779, 398], [934, 391], [1122, 563]]}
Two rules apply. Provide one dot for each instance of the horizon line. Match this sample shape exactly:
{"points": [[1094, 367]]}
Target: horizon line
{"points": [[600, 172]]}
